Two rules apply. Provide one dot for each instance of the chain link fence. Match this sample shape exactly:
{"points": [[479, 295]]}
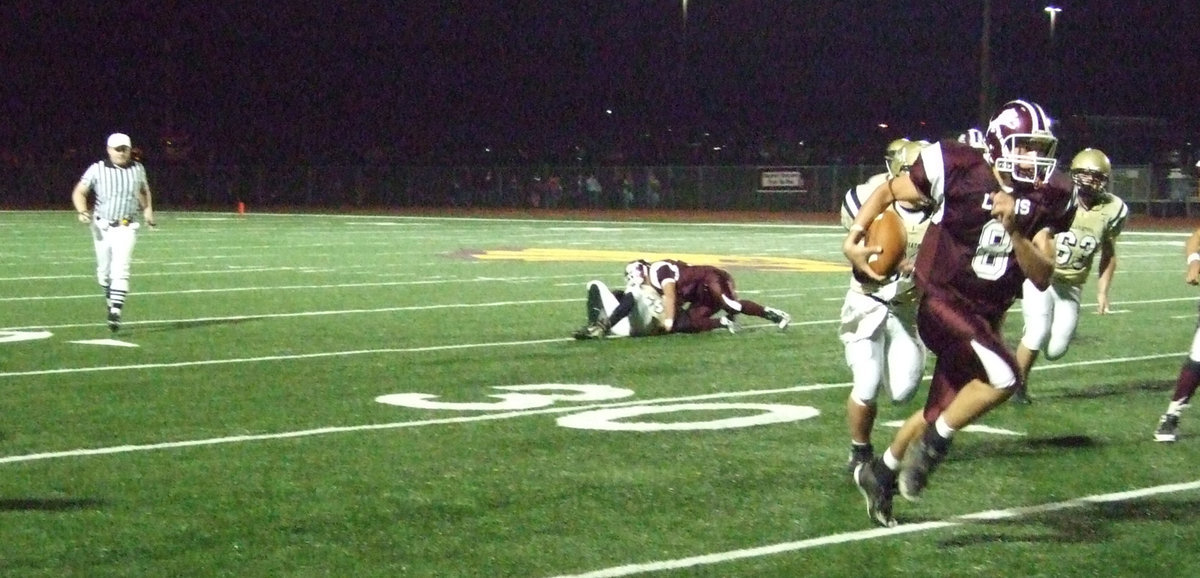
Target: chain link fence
{"points": [[815, 189]]}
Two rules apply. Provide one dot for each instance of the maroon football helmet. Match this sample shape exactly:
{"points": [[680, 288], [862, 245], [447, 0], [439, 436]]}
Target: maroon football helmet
{"points": [[1020, 142], [636, 272]]}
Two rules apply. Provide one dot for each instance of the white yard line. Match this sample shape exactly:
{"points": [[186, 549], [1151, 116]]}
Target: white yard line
{"points": [[299, 314], [720, 557], [155, 274], [305, 287], [424, 307]]}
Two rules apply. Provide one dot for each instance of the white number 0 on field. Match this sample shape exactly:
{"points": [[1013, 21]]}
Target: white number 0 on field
{"points": [[527, 397]]}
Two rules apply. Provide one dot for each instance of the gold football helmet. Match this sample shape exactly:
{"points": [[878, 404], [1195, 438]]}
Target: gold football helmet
{"points": [[1091, 171], [910, 152], [894, 157]]}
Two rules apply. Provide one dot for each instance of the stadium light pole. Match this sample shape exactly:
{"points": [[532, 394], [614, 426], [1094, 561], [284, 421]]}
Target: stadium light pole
{"points": [[1051, 85], [1052, 11], [985, 66]]}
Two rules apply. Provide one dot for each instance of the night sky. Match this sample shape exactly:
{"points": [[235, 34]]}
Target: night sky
{"points": [[328, 79]]}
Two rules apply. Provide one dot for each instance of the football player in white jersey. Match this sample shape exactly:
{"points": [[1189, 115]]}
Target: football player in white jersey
{"points": [[638, 309], [1051, 316], [878, 319], [893, 161]]}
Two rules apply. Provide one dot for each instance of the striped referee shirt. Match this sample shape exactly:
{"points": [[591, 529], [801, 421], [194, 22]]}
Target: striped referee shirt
{"points": [[116, 189]]}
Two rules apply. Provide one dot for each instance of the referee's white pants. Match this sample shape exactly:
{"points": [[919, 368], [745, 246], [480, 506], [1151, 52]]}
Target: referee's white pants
{"points": [[114, 253]]}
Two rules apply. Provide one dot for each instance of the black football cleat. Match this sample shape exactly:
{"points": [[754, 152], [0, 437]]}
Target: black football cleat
{"points": [[1021, 397], [876, 483], [921, 459], [1168, 428], [114, 319], [859, 455], [779, 318]]}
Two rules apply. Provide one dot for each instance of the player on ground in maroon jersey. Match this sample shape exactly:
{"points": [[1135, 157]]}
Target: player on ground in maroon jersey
{"points": [[691, 296]]}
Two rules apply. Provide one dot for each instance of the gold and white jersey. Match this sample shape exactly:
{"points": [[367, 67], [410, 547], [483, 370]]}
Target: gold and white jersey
{"points": [[1076, 248]]}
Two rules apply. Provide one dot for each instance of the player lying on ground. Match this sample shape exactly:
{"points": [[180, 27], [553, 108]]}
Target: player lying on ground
{"points": [[685, 298]]}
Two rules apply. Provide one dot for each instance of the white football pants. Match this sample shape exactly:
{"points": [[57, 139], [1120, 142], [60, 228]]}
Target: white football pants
{"points": [[1051, 317], [882, 348], [639, 322], [114, 253]]}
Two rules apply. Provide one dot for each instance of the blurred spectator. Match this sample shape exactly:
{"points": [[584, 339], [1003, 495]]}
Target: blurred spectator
{"points": [[457, 194], [535, 192], [513, 193], [653, 190], [1197, 174], [554, 192], [1179, 186], [487, 189], [595, 192], [578, 196], [627, 191]]}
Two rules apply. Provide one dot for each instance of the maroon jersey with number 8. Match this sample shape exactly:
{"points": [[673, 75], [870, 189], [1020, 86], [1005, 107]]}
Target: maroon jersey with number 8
{"points": [[966, 255]]}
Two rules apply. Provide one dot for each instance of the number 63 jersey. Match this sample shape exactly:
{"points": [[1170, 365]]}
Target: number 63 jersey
{"points": [[1075, 250], [966, 255]]}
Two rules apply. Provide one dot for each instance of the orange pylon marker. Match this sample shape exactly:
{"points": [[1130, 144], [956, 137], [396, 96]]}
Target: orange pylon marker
{"points": [[241, 206]]}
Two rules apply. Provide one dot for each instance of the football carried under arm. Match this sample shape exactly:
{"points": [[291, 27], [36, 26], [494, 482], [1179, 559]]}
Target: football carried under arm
{"points": [[859, 252], [887, 232]]}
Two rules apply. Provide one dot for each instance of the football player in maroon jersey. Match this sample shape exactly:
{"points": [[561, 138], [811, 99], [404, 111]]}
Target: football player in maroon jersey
{"points": [[995, 213], [691, 296], [1189, 374]]}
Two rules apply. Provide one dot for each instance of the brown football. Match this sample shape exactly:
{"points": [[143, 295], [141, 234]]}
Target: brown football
{"points": [[887, 231]]}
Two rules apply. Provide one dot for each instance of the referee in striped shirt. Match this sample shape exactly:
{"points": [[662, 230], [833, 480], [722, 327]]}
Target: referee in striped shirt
{"points": [[121, 191]]}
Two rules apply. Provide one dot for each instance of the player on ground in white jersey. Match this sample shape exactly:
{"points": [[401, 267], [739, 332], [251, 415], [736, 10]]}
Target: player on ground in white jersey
{"points": [[1051, 316], [121, 192], [878, 320], [638, 310]]}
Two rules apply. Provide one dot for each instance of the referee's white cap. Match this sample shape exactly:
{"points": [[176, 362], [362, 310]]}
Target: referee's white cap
{"points": [[118, 139]]}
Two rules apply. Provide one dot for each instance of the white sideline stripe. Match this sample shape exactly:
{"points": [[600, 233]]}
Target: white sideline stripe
{"points": [[317, 355], [323, 354], [406, 424], [301, 287], [301, 314], [795, 323], [706, 559], [155, 273]]}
